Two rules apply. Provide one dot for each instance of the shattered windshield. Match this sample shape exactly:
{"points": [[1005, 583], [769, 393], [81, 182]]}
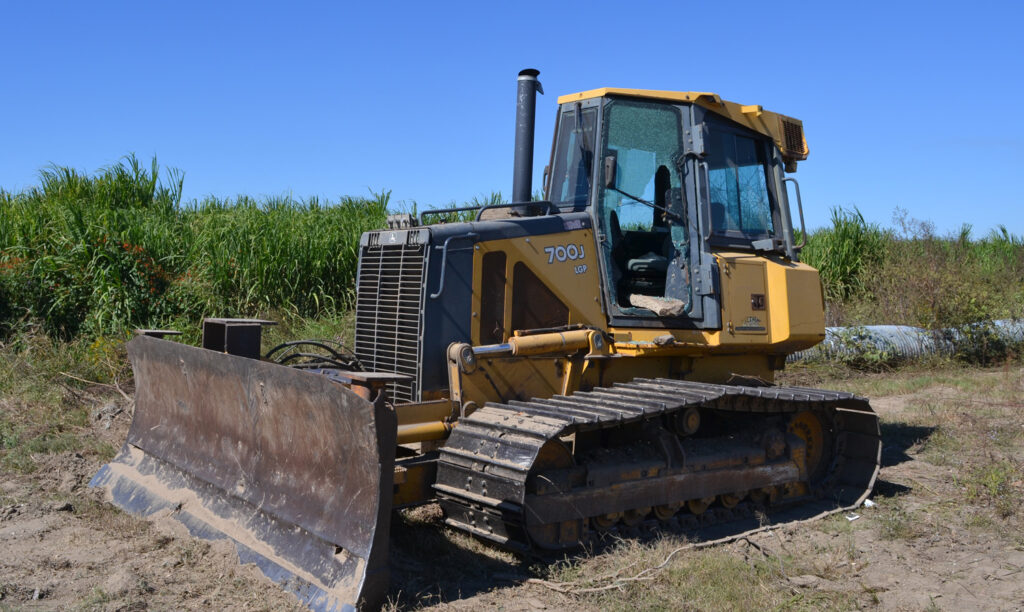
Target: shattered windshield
{"points": [[640, 209]]}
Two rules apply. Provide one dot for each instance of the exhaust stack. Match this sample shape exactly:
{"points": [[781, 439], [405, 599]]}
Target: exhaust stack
{"points": [[526, 114]]}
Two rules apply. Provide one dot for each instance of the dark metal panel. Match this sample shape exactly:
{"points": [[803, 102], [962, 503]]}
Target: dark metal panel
{"points": [[235, 336], [447, 319]]}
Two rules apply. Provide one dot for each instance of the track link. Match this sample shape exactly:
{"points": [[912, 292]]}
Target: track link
{"points": [[523, 475]]}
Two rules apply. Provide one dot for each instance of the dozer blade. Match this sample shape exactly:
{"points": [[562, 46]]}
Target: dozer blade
{"points": [[296, 470]]}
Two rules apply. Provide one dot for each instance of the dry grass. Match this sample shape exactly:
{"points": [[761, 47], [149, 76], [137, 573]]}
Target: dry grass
{"points": [[968, 421]]}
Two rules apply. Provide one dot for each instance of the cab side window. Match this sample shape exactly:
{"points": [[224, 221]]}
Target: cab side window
{"points": [[737, 185]]}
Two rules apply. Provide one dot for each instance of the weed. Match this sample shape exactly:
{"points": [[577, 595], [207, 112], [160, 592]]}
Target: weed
{"points": [[898, 523], [459, 565], [995, 484], [942, 448], [860, 351], [977, 519], [94, 600], [191, 552], [45, 406], [835, 524]]}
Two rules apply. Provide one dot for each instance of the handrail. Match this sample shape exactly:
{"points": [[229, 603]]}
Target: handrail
{"points": [[552, 209], [800, 208], [441, 211], [703, 165], [444, 261]]}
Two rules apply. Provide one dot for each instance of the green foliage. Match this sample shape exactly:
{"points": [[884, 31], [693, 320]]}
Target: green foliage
{"points": [[981, 343], [299, 257], [994, 482], [948, 282], [44, 407], [105, 253], [862, 353], [843, 252], [911, 276], [101, 254], [898, 523]]}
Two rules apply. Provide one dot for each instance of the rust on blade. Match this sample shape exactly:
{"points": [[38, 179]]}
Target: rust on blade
{"points": [[292, 467]]}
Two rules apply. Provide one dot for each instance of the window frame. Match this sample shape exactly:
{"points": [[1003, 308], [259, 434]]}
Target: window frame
{"points": [[566, 113], [704, 311], [601, 212], [730, 238]]}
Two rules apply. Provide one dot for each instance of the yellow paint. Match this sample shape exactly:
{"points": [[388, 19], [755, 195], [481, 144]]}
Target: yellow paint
{"points": [[752, 116], [437, 430], [752, 342], [796, 304], [409, 414], [794, 315], [412, 484], [673, 96], [574, 281], [743, 277], [503, 379], [555, 342]]}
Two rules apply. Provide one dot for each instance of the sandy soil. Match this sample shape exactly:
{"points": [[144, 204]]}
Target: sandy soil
{"points": [[63, 548]]}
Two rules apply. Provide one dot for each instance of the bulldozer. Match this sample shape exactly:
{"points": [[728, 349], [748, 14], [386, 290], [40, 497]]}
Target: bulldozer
{"points": [[599, 361]]}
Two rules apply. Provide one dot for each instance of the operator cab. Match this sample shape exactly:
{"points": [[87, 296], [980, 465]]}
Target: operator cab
{"points": [[669, 178]]}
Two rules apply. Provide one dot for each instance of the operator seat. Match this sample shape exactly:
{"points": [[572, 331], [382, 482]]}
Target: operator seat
{"points": [[649, 269]]}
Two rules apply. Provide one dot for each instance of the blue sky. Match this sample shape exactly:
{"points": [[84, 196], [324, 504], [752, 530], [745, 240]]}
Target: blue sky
{"points": [[913, 105]]}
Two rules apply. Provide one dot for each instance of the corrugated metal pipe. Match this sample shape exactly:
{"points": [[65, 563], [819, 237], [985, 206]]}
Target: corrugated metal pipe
{"points": [[903, 342]]}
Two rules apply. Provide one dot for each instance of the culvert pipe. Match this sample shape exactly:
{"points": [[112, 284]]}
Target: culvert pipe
{"points": [[904, 342]]}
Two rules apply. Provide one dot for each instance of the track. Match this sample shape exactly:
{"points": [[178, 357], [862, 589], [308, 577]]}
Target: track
{"points": [[656, 455]]}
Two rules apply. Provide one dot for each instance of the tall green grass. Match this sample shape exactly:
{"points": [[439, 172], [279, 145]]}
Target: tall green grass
{"points": [[910, 275], [100, 254], [844, 252]]}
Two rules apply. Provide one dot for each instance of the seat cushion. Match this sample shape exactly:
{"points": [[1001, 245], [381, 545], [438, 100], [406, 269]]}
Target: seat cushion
{"points": [[648, 264]]}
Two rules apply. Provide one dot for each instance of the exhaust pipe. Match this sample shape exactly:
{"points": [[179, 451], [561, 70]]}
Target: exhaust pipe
{"points": [[526, 114]]}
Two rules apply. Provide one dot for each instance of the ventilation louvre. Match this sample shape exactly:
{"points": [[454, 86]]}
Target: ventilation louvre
{"points": [[793, 133], [389, 306]]}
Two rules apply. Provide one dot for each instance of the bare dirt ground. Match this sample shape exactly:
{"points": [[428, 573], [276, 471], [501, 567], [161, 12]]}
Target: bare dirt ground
{"points": [[945, 532], [64, 548]]}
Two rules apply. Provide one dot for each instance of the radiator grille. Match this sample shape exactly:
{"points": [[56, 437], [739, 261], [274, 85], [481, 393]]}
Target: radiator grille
{"points": [[389, 306]]}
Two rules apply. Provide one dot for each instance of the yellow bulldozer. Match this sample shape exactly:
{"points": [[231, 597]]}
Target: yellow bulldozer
{"points": [[550, 372]]}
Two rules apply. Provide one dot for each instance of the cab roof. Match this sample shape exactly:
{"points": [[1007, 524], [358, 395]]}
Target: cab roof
{"points": [[787, 132]]}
